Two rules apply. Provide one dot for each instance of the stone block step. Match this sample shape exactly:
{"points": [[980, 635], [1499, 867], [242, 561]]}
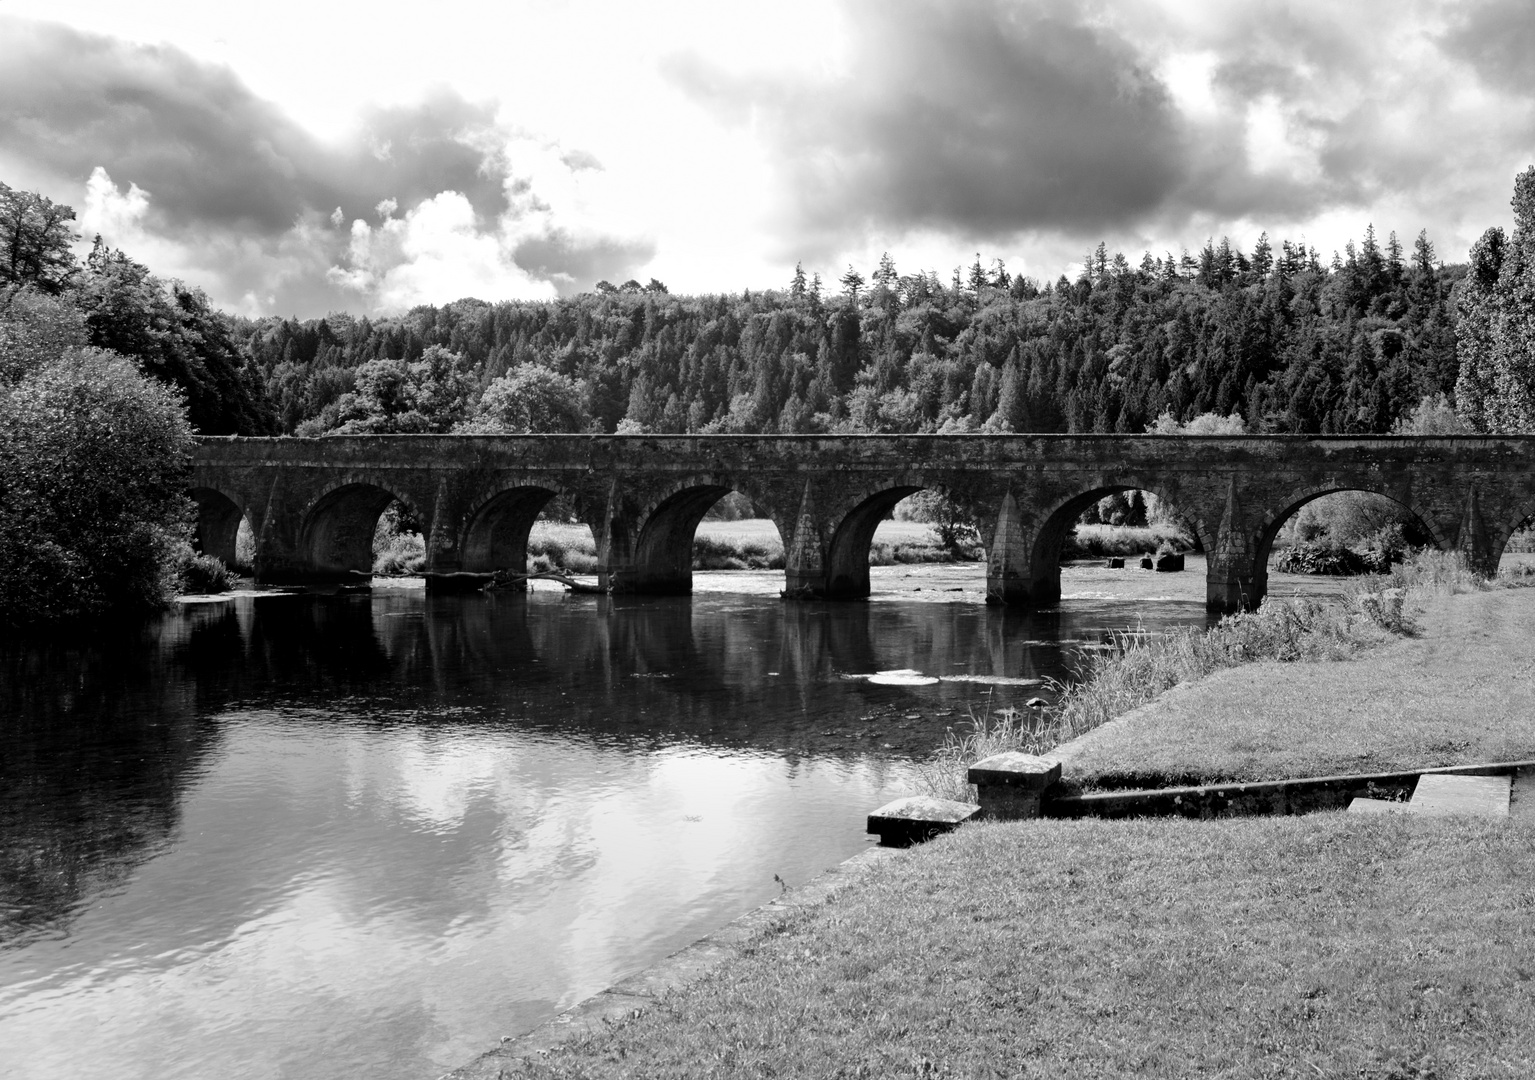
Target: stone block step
{"points": [[918, 818], [1442, 793]]}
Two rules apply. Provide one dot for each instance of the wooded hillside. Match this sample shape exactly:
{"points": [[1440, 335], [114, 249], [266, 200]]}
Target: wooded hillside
{"points": [[1291, 344]]}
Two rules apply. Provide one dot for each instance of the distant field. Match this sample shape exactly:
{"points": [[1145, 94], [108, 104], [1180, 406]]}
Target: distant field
{"points": [[752, 543], [761, 529]]}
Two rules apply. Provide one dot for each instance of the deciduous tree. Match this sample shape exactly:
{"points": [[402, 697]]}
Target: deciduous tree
{"points": [[35, 239]]}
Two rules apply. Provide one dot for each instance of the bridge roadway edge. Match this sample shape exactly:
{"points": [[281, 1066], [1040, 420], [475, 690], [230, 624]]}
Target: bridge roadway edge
{"points": [[311, 501]]}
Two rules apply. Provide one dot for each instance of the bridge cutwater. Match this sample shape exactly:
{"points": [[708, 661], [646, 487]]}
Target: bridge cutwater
{"points": [[313, 503]]}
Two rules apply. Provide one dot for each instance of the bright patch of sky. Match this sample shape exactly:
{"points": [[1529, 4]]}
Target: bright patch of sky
{"points": [[534, 148]]}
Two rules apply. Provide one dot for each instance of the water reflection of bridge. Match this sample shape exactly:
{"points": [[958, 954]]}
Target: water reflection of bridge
{"points": [[312, 503], [105, 736]]}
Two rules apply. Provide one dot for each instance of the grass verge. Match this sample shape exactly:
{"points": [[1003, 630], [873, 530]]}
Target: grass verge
{"points": [[1322, 946]]}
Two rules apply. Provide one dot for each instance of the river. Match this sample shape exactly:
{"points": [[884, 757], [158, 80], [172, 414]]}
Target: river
{"points": [[370, 834]]}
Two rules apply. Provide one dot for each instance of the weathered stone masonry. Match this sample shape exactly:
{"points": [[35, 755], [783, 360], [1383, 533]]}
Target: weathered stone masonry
{"points": [[313, 503]]}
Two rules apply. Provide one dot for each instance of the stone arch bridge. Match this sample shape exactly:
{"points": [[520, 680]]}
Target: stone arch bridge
{"points": [[313, 503]]}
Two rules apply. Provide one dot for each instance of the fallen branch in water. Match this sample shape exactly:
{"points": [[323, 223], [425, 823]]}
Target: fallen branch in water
{"points": [[503, 579]]}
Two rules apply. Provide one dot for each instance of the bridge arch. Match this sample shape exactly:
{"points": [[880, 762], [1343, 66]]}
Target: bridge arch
{"points": [[661, 557], [219, 515], [336, 537], [1501, 530], [1275, 518], [496, 534], [847, 556], [1044, 550]]}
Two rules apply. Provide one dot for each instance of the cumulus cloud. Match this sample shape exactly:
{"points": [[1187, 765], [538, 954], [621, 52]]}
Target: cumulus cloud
{"points": [[997, 119], [221, 187], [435, 251], [972, 117], [1498, 38]]}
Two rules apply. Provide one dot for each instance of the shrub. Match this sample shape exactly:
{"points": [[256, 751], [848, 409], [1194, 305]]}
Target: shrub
{"points": [[1321, 557], [204, 573], [398, 546], [93, 474]]}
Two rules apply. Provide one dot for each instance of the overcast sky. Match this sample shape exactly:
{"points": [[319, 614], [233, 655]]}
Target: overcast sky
{"points": [[295, 158]]}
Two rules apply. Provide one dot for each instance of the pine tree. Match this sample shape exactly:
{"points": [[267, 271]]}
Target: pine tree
{"points": [[977, 278], [852, 281], [1263, 257], [1423, 253]]}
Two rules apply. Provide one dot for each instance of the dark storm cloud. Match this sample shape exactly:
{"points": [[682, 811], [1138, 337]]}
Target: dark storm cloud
{"points": [[970, 117], [232, 178], [208, 150], [571, 265], [1497, 37], [1377, 124], [994, 118]]}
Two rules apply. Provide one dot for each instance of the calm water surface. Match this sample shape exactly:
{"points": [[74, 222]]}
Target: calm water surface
{"points": [[369, 835]]}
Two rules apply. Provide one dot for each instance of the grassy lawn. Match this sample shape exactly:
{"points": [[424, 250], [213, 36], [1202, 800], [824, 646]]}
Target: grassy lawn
{"points": [[1332, 945], [1461, 690]]}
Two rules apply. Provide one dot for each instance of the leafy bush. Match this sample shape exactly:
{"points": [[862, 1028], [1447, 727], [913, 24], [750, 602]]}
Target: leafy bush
{"points": [[204, 573], [93, 474], [1376, 553], [398, 546], [1321, 557]]}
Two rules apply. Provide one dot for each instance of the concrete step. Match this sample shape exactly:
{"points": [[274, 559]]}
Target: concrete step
{"points": [[1440, 793], [917, 819]]}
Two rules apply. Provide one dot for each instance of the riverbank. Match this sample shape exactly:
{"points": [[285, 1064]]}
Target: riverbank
{"points": [[1459, 690], [1328, 945]]}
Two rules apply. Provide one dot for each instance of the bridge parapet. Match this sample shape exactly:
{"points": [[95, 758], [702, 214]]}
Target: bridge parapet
{"points": [[313, 503]]}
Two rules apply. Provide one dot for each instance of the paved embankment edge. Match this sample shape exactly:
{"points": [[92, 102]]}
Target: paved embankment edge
{"points": [[1262, 796], [638, 992]]}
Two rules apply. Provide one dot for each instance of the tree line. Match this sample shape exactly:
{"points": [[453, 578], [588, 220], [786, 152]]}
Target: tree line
{"points": [[1290, 343]]}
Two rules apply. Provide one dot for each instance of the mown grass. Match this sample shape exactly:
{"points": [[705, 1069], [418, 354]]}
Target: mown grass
{"points": [[1332, 946]]}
